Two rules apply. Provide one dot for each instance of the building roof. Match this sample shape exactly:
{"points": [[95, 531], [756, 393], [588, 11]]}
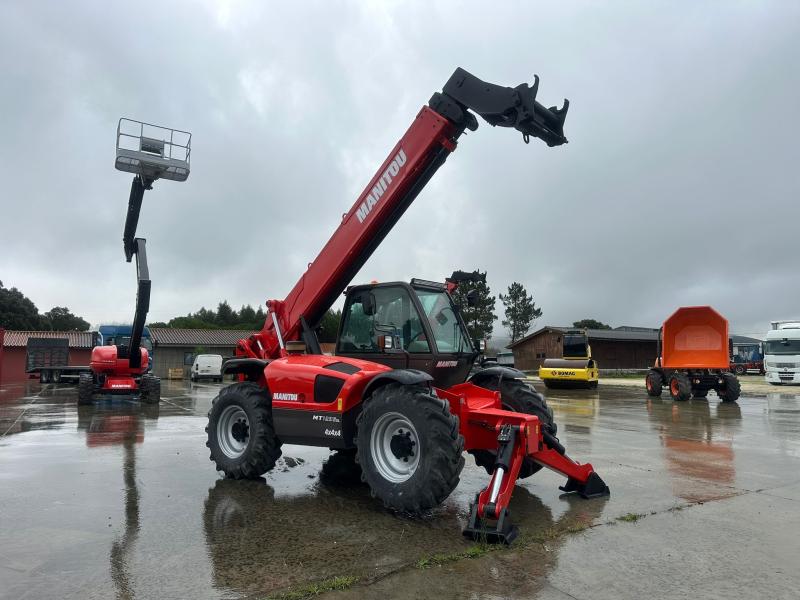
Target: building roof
{"points": [[167, 336], [76, 339], [743, 339], [624, 334]]}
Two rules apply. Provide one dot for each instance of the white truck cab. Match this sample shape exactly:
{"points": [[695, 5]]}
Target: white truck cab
{"points": [[782, 353], [207, 366]]}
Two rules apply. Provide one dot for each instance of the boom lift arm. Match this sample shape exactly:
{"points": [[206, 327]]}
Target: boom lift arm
{"points": [[410, 165], [134, 246]]}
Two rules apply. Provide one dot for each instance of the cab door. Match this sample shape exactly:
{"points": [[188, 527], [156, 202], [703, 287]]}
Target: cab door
{"points": [[371, 315]]}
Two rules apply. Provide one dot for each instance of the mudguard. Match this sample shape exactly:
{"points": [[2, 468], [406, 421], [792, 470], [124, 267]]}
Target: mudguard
{"points": [[252, 368], [498, 372], [404, 376]]}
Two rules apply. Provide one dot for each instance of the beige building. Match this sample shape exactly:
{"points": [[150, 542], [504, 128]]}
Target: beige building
{"points": [[177, 348]]}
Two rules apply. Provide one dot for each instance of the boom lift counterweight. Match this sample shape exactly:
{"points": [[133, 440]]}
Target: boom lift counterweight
{"points": [[396, 399]]}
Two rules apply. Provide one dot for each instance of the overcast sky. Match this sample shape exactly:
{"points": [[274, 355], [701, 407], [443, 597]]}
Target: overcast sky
{"points": [[679, 185]]}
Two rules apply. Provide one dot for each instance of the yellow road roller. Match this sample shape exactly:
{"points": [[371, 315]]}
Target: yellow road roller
{"points": [[577, 368]]}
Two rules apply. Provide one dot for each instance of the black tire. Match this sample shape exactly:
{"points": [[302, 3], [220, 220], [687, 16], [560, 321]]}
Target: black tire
{"points": [[739, 370], [593, 384], [654, 383], [85, 388], [425, 432], [699, 393], [730, 389], [520, 397], [341, 469], [150, 389], [256, 431], [44, 377], [680, 388], [56, 376]]}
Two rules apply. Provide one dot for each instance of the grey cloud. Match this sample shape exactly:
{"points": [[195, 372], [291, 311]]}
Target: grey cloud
{"points": [[679, 184]]}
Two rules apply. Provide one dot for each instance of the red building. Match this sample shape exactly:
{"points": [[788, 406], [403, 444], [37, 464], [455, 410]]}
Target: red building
{"points": [[13, 350]]}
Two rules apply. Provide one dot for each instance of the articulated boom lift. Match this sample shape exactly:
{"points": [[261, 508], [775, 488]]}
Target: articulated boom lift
{"points": [[161, 154], [395, 401]]}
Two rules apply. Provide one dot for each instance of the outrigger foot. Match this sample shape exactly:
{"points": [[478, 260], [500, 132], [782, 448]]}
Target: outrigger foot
{"points": [[594, 487], [502, 531]]}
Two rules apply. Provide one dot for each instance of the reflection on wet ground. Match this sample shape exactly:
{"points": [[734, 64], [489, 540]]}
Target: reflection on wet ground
{"points": [[120, 500]]}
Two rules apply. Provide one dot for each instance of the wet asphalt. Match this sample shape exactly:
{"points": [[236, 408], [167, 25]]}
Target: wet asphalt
{"points": [[119, 500]]}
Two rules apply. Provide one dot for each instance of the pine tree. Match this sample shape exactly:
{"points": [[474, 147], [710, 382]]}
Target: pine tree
{"points": [[520, 311], [479, 318]]}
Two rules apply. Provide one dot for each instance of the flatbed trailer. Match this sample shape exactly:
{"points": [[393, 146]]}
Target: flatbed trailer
{"points": [[49, 359]]}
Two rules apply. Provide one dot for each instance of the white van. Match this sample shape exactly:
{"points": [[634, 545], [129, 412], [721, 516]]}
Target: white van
{"points": [[207, 366]]}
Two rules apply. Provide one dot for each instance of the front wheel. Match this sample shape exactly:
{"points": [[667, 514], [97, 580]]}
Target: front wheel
{"points": [[150, 389], [85, 388], [740, 369], [654, 383], [241, 433], [409, 448], [680, 388], [730, 389], [521, 397]]}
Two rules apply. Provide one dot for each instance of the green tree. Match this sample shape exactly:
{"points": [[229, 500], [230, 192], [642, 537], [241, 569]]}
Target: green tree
{"points": [[479, 318], [59, 318], [329, 326], [247, 314], [520, 310], [226, 316], [590, 324], [17, 311]]}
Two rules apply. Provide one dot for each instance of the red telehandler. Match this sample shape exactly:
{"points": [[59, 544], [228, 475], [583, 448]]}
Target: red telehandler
{"points": [[396, 401]]}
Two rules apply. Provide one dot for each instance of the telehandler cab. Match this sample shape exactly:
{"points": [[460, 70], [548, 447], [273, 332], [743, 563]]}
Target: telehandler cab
{"points": [[395, 401]]}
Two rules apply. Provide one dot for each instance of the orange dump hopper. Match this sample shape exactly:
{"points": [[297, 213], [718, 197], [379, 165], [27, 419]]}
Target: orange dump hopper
{"points": [[695, 337]]}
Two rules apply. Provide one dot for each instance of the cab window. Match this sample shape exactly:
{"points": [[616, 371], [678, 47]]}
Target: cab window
{"points": [[394, 316]]}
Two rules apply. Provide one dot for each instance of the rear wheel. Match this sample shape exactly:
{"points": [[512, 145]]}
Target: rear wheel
{"points": [[44, 377], [521, 397], [241, 434], [680, 388], [740, 369], [654, 383], [341, 469], [409, 448], [730, 389], [85, 388]]}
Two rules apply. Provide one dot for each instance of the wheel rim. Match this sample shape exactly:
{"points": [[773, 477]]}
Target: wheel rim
{"points": [[674, 387], [233, 431], [394, 445]]}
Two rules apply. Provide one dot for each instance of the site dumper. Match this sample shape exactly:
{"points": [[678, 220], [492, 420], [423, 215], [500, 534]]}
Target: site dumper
{"points": [[397, 402], [694, 356], [576, 368]]}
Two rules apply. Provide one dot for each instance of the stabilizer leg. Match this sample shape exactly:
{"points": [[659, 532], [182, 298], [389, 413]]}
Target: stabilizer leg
{"points": [[503, 531], [594, 487]]}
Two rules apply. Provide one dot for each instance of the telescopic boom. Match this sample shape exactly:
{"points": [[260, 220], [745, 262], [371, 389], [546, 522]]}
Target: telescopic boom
{"points": [[426, 145]]}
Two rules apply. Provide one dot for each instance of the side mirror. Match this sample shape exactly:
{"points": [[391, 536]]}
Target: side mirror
{"points": [[472, 298], [480, 344], [367, 301]]}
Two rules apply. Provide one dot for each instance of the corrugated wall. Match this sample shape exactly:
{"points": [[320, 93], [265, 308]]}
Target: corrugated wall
{"points": [[165, 359]]}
